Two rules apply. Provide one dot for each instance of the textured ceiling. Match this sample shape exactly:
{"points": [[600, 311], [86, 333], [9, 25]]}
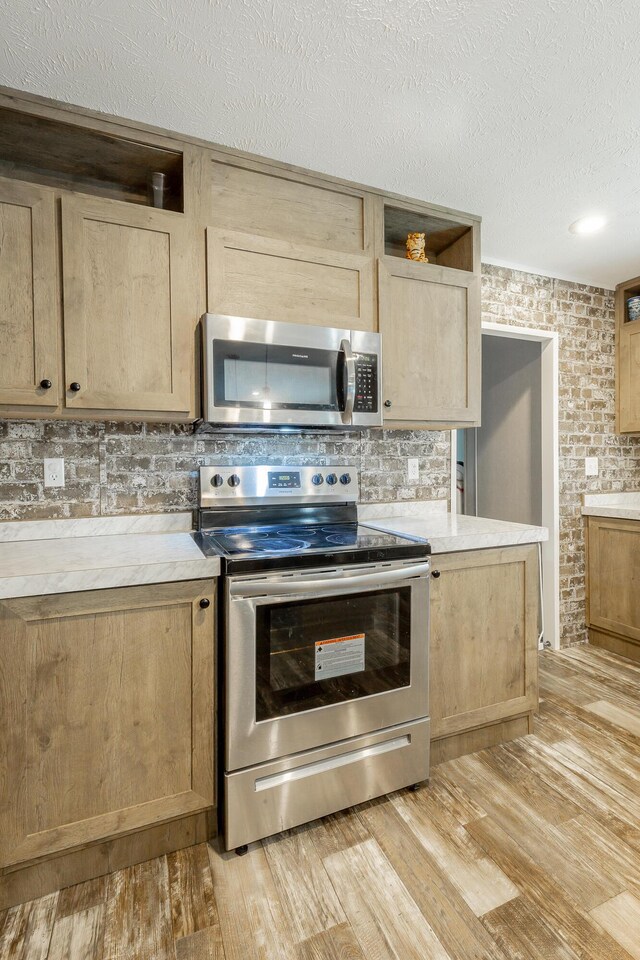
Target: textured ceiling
{"points": [[523, 111]]}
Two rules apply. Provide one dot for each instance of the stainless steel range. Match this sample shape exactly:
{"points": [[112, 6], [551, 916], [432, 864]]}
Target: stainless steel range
{"points": [[325, 647]]}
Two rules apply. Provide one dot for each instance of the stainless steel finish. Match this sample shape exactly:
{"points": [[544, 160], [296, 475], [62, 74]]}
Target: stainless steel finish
{"points": [[317, 583], [225, 327], [266, 799], [350, 398], [253, 487], [249, 741], [330, 763]]}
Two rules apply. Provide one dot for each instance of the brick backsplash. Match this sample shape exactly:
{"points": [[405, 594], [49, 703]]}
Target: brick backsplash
{"points": [[116, 468]]}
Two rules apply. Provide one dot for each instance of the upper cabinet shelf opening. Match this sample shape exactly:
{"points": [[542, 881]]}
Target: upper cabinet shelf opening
{"points": [[449, 243], [66, 156]]}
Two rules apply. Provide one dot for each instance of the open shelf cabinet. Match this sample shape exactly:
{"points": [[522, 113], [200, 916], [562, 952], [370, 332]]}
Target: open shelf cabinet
{"points": [[66, 156], [449, 242]]}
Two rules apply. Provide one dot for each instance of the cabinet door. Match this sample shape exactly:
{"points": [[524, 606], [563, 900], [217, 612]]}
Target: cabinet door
{"points": [[29, 294], [267, 279], [249, 197], [106, 714], [130, 307], [628, 368], [484, 633], [614, 576], [430, 324]]}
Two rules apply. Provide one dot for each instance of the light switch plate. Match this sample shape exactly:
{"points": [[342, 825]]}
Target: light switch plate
{"points": [[591, 466], [413, 469], [54, 472]]}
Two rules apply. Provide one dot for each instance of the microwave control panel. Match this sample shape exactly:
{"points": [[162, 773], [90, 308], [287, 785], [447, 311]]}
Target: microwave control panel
{"points": [[366, 383]]}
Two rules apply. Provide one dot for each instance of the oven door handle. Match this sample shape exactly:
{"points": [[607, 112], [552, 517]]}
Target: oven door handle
{"points": [[339, 583], [350, 392]]}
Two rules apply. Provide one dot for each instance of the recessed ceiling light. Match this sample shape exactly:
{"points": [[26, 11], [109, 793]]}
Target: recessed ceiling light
{"points": [[586, 225]]}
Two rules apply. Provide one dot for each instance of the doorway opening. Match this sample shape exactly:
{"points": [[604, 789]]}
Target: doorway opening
{"points": [[507, 469]]}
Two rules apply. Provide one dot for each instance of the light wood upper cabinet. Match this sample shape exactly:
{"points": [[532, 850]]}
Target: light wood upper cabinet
{"points": [[260, 200], [252, 276], [130, 307], [429, 319], [484, 632], [613, 579], [627, 360], [106, 714], [29, 296]]}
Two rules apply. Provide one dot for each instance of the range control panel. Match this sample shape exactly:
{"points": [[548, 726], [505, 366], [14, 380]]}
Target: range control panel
{"points": [[264, 482], [366, 383]]}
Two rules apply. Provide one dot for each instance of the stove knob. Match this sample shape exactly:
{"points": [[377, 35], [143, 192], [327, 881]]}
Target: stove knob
{"points": [[331, 479], [317, 479], [234, 480], [216, 480], [345, 478]]}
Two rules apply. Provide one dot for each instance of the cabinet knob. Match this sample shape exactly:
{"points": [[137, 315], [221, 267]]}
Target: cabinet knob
{"points": [[75, 386], [45, 384], [205, 602], [435, 574], [387, 403]]}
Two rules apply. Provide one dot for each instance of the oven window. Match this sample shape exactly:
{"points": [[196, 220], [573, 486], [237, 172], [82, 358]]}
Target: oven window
{"points": [[274, 377], [312, 653]]}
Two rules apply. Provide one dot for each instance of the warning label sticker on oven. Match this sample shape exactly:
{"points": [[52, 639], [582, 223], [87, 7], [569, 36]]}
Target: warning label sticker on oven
{"points": [[340, 655]]}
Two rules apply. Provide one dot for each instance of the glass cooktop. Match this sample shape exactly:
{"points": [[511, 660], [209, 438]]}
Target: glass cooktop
{"points": [[300, 539]]}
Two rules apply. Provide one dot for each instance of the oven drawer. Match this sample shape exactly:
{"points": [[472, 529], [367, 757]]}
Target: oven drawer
{"points": [[260, 801]]}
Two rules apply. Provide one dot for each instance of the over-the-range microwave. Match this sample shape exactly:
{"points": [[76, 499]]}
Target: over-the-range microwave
{"points": [[266, 375]]}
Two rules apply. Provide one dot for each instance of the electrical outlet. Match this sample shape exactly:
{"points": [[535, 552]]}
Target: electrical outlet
{"points": [[591, 466], [54, 472], [413, 469]]}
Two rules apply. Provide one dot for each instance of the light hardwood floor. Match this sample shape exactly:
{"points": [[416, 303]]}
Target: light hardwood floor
{"points": [[526, 850]]}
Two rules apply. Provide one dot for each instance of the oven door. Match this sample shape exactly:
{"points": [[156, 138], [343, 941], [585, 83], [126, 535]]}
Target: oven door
{"points": [[317, 657]]}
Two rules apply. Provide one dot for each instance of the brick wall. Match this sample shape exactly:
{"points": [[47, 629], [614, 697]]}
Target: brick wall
{"points": [[122, 468], [583, 318]]}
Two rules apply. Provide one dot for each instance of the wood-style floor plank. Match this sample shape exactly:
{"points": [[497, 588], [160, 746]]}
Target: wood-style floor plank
{"points": [[620, 716], [82, 896], [574, 925], [251, 914], [386, 920], [539, 839], [524, 933], [338, 943], [138, 913], [621, 918], [338, 832], [193, 905], [204, 945], [28, 928], [453, 922], [79, 935], [306, 893], [480, 882]]}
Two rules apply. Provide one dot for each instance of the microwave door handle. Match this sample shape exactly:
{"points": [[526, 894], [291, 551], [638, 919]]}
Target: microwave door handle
{"points": [[350, 393], [335, 584]]}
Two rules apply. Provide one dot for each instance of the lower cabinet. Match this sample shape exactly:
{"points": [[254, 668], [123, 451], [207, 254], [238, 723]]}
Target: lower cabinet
{"points": [[106, 717], [484, 648], [613, 585]]}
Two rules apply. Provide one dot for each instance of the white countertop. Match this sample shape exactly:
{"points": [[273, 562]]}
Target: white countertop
{"points": [[449, 532], [39, 557], [625, 506]]}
